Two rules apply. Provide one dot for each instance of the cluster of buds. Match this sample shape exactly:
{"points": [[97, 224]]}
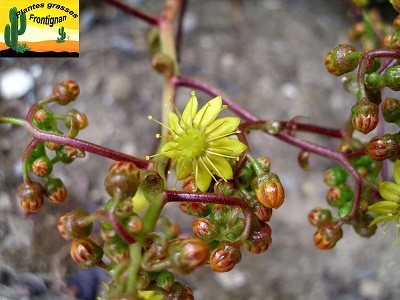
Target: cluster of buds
{"points": [[31, 193]]}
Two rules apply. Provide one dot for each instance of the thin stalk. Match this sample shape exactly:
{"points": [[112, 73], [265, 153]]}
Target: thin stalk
{"points": [[152, 20]]}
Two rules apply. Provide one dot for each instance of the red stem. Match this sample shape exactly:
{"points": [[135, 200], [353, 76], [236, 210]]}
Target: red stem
{"points": [[135, 12], [116, 224]]}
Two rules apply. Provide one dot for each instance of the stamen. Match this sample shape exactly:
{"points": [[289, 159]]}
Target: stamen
{"points": [[208, 170], [158, 122], [216, 169], [222, 155], [222, 136]]}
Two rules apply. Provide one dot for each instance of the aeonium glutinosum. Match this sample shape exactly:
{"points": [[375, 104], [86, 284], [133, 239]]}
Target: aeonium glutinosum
{"points": [[199, 143], [388, 210]]}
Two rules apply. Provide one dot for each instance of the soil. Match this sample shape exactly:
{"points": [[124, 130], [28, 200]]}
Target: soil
{"points": [[269, 56]]}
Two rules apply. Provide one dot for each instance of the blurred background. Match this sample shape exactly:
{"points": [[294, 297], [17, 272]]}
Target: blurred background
{"points": [[269, 56]]}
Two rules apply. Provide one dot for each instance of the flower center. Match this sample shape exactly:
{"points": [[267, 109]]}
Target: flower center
{"points": [[191, 143]]}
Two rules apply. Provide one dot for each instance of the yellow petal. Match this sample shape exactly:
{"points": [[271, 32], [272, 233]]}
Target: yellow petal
{"points": [[169, 150], [189, 112], [208, 113], [384, 207], [173, 121], [227, 146], [396, 171], [222, 127], [183, 168], [220, 166], [390, 191], [381, 219], [203, 177]]}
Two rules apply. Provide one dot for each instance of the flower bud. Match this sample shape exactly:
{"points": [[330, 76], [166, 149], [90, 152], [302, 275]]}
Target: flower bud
{"points": [[303, 160], [245, 176], [218, 214], [337, 196], [391, 78], [42, 166], [163, 64], [226, 188], [186, 255], [391, 110], [134, 224], [31, 195], [65, 92], [51, 145], [225, 257], [180, 292], [80, 116], [259, 239], [319, 215], [44, 119], [345, 209], [382, 147], [123, 178], [205, 229], [327, 235], [363, 229], [86, 253], [189, 184], [268, 190], [67, 154], [394, 41], [107, 232], [55, 190], [263, 213], [335, 176], [199, 209], [116, 249], [396, 5], [365, 116], [38, 151], [165, 280], [342, 59], [73, 225]]}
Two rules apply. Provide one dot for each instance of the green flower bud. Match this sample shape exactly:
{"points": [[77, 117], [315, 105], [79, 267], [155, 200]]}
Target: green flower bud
{"points": [[391, 110], [365, 117], [38, 151], [335, 176], [116, 249], [391, 78], [165, 280], [31, 195], [342, 59], [44, 119], [163, 64], [345, 209], [74, 225], [382, 147], [363, 229], [373, 79], [55, 190], [319, 215], [337, 196]]}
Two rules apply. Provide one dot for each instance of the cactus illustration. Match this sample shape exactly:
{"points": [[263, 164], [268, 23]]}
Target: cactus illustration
{"points": [[62, 34], [11, 32]]}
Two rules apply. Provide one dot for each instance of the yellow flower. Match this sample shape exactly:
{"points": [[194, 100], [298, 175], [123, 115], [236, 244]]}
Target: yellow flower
{"points": [[389, 208], [199, 143], [150, 295]]}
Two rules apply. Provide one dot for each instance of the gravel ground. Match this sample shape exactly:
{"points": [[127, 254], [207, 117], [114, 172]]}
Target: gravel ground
{"points": [[269, 56]]}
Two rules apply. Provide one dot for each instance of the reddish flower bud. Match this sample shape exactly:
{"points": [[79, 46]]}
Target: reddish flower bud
{"points": [[394, 41], [327, 235], [365, 117], [225, 257], [337, 196], [51, 145], [44, 119], [42, 166], [106, 231], [396, 5], [81, 117], [55, 190], [391, 78], [342, 59], [335, 176], [67, 154], [74, 225], [116, 249], [199, 209], [263, 213], [180, 292], [318, 215], [259, 239], [382, 147], [31, 195], [134, 224], [123, 179], [65, 92], [226, 188], [189, 184], [205, 229], [86, 253], [186, 255], [391, 110], [268, 190]]}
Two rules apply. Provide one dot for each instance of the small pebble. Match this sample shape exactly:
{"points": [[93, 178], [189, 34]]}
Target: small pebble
{"points": [[15, 83]]}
